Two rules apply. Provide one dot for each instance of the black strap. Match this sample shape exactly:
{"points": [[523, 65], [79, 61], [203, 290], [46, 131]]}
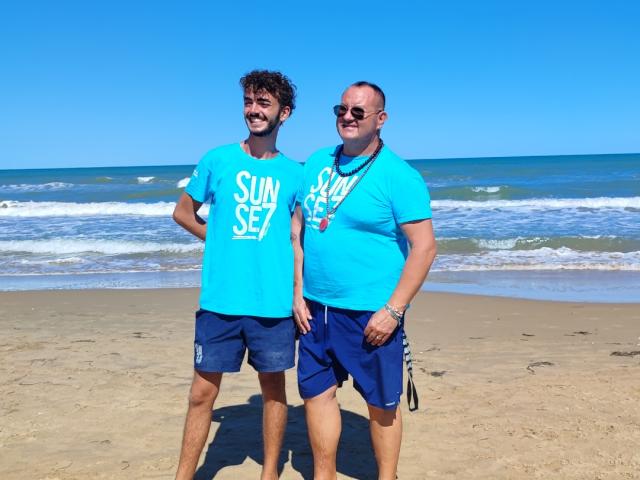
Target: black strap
{"points": [[412, 393]]}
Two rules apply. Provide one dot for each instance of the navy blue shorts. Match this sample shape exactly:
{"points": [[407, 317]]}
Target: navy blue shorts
{"points": [[221, 340], [336, 348]]}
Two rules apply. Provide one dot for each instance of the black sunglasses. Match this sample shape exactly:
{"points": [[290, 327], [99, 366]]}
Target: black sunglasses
{"points": [[356, 112]]}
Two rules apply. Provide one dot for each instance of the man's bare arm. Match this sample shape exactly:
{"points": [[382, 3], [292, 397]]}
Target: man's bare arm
{"points": [[423, 251], [186, 215], [301, 313]]}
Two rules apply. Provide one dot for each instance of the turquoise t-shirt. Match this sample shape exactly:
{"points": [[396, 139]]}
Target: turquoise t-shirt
{"points": [[357, 261], [247, 267]]}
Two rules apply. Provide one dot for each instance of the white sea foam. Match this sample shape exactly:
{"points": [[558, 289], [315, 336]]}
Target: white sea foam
{"points": [[105, 247], [89, 272], [523, 243], [142, 180], [501, 244], [544, 258], [542, 203], [38, 187], [543, 267], [54, 261], [10, 208], [486, 189], [183, 183]]}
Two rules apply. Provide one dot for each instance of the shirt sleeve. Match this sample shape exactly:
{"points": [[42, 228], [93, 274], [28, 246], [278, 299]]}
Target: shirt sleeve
{"points": [[410, 199], [199, 186]]}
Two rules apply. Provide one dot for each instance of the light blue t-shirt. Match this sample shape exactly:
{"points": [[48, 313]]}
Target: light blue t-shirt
{"points": [[357, 261], [247, 267]]}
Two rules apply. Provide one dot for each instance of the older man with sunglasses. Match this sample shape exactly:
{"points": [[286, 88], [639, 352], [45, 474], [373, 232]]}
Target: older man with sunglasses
{"points": [[360, 207]]}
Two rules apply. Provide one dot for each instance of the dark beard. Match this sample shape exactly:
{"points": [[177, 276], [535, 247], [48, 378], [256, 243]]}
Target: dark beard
{"points": [[271, 126]]}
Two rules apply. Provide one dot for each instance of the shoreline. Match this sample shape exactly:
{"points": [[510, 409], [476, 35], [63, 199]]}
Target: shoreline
{"points": [[96, 384], [424, 291], [610, 287]]}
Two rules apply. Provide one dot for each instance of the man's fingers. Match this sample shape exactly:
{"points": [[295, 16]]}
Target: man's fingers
{"points": [[379, 329], [301, 321], [377, 339], [305, 326], [367, 330], [373, 337], [296, 317], [372, 334]]}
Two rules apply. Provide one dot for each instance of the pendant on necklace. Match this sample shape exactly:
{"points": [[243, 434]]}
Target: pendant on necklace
{"points": [[324, 223]]}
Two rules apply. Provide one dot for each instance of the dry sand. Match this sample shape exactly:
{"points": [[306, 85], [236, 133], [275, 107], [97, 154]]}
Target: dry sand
{"points": [[93, 385]]}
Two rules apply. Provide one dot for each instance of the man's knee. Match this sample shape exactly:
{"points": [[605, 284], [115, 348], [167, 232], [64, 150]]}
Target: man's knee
{"points": [[327, 396], [326, 399], [384, 417], [272, 384], [204, 389]]}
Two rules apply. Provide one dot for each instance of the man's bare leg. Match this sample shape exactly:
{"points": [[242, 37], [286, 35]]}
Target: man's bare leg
{"points": [[324, 425], [204, 391], [386, 437], [274, 421]]}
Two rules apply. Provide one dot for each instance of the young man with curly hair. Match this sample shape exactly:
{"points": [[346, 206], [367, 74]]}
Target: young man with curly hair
{"points": [[247, 274]]}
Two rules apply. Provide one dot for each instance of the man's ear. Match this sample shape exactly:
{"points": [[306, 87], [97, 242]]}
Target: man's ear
{"points": [[284, 113], [382, 117]]}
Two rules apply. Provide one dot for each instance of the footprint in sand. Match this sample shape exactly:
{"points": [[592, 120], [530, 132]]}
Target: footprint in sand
{"points": [[531, 366], [625, 354]]}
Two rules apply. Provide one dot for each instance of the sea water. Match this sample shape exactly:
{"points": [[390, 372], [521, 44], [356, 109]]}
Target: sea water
{"points": [[554, 227]]}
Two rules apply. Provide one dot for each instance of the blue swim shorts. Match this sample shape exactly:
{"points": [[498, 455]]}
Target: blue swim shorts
{"points": [[221, 341], [336, 348]]}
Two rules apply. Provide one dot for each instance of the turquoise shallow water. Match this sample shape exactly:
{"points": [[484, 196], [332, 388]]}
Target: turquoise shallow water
{"points": [[558, 227]]}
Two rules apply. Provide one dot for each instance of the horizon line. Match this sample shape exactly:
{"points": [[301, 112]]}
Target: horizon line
{"points": [[407, 159]]}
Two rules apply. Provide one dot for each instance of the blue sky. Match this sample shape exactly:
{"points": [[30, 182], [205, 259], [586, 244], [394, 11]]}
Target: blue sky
{"points": [[144, 83]]}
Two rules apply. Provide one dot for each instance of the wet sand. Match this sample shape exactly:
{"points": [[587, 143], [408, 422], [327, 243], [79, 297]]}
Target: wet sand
{"points": [[93, 385]]}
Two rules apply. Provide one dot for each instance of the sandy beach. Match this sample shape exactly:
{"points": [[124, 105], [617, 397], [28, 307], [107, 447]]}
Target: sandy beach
{"points": [[94, 384]]}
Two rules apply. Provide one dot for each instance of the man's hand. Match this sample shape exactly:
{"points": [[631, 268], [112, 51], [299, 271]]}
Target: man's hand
{"points": [[380, 327], [301, 314]]}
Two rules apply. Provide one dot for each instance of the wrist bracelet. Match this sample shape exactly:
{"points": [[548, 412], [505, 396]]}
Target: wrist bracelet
{"points": [[398, 311], [395, 313]]}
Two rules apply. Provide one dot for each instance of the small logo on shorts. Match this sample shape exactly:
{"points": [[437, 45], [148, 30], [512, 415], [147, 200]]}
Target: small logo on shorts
{"points": [[198, 353], [390, 404]]}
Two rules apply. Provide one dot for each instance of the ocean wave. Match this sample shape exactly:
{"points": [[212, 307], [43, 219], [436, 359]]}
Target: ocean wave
{"points": [[54, 261], [598, 243], [144, 180], [544, 258], [183, 183], [10, 208], [105, 247], [543, 267], [41, 187], [542, 203], [89, 272], [486, 189]]}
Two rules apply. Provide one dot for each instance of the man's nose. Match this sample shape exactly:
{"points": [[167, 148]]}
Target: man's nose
{"points": [[347, 116]]}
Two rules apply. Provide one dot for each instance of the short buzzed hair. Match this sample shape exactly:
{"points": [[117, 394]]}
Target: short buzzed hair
{"points": [[273, 82], [376, 88]]}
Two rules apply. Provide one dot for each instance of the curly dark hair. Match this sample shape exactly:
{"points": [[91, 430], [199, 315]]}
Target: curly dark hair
{"points": [[275, 83]]}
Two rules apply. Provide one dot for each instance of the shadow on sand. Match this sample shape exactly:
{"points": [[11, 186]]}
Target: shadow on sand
{"points": [[239, 437]]}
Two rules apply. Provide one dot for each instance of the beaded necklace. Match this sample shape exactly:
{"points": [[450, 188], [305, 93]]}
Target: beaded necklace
{"points": [[324, 223]]}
